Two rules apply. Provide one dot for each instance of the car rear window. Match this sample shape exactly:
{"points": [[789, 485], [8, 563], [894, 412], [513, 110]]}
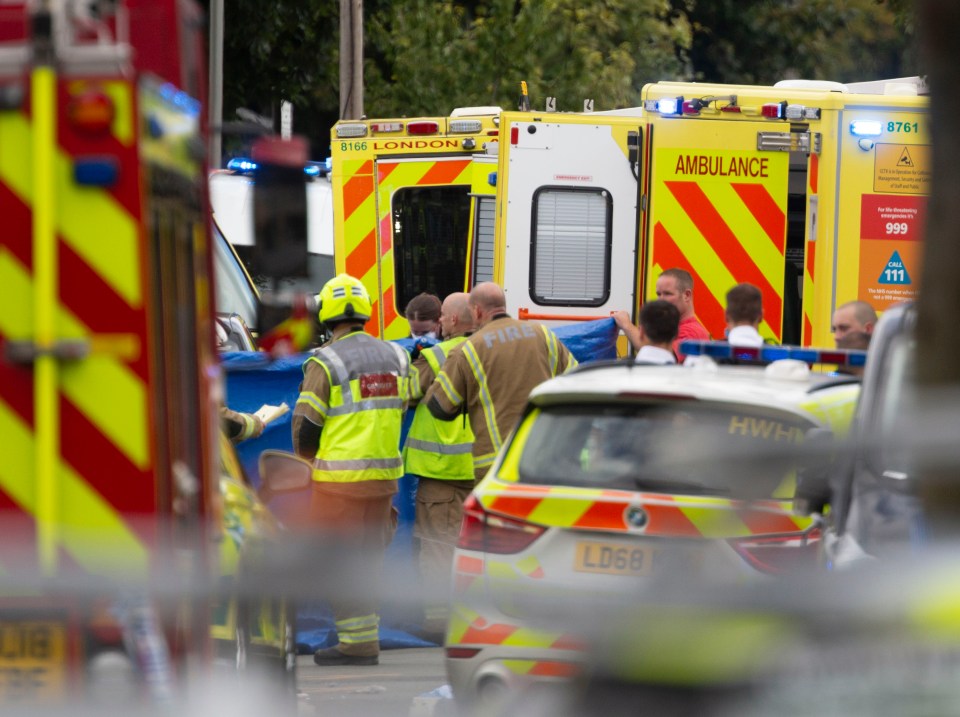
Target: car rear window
{"points": [[688, 447]]}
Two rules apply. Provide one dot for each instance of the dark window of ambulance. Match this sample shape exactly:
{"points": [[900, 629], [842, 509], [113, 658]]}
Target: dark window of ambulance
{"points": [[570, 244], [430, 228]]}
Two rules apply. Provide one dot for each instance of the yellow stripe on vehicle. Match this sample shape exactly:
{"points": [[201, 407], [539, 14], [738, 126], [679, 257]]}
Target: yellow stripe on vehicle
{"points": [[91, 532], [525, 637], [86, 215], [753, 237], [712, 523], [111, 396], [519, 667], [560, 512]]}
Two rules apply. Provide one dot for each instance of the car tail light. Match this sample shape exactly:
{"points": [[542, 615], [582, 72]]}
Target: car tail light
{"points": [[780, 554], [462, 653], [493, 533]]}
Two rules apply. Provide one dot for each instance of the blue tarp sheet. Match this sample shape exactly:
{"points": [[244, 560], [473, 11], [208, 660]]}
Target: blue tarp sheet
{"points": [[254, 380]]}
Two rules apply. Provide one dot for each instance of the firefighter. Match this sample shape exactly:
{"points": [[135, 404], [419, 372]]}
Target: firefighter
{"points": [[440, 454], [494, 371], [347, 420]]}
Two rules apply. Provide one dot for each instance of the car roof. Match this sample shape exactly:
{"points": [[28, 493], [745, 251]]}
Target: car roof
{"points": [[782, 384]]}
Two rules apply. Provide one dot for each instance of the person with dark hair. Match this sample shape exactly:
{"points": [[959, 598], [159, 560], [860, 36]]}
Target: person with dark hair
{"points": [[744, 314], [423, 315], [659, 323]]}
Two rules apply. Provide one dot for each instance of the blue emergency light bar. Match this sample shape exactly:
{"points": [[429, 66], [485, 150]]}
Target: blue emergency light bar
{"points": [[242, 165], [722, 351]]}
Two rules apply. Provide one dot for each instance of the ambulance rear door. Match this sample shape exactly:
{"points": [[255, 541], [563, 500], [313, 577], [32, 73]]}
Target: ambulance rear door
{"points": [[567, 228], [423, 211], [718, 208]]}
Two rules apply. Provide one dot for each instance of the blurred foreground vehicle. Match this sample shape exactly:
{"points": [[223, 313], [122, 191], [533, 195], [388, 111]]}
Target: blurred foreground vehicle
{"points": [[253, 626], [875, 508], [110, 493], [620, 476]]}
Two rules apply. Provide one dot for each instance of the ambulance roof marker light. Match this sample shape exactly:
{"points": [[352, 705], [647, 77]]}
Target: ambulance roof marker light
{"points": [[384, 127], [866, 128], [465, 126], [692, 106], [423, 127], [774, 110], [670, 105], [351, 130]]}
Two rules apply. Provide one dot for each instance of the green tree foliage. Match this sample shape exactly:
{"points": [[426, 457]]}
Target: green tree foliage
{"points": [[762, 41], [433, 55], [425, 57]]}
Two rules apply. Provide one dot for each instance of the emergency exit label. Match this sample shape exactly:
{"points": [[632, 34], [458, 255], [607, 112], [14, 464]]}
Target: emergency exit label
{"points": [[902, 168]]}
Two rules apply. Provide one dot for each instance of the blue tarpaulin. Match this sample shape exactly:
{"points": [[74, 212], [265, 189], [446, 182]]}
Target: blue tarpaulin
{"points": [[253, 379]]}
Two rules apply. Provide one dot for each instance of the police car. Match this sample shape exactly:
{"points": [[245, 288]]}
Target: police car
{"points": [[620, 474]]}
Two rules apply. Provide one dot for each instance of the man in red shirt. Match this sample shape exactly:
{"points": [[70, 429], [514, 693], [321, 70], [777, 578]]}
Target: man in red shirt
{"points": [[675, 286]]}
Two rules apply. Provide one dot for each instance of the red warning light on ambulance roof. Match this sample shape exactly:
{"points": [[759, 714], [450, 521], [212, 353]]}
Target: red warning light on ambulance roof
{"points": [[423, 127]]}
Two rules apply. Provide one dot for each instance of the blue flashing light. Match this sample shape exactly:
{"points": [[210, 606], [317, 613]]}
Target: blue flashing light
{"points": [[722, 351], [312, 169], [241, 165], [328, 163], [670, 105], [96, 171], [492, 179], [866, 128]]}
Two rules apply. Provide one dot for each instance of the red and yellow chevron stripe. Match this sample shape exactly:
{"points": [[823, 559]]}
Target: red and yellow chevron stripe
{"points": [[106, 491], [366, 235], [468, 627], [668, 516], [724, 231]]}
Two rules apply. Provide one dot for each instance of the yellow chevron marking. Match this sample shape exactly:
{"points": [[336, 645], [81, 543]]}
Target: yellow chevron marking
{"points": [[112, 396], [716, 523], [749, 232], [529, 564], [519, 667], [122, 127], [561, 512], [525, 637], [89, 219], [92, 532]]}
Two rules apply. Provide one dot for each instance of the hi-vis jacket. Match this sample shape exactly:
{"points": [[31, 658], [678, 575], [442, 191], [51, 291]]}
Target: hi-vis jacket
{"points": [[492, 375], [356, 388], [434, 448]]}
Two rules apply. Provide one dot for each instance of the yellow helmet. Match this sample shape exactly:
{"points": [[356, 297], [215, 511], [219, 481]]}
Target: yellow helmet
{"points": [[343, 298]]}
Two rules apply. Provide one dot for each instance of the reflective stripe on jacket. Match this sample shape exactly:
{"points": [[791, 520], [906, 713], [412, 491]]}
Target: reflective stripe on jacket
{"points": [[369, 387], [439, 449]]}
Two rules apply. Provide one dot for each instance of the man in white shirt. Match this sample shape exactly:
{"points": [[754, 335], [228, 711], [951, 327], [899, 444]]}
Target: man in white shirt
{"points": [[744, 313], [659, 323]]}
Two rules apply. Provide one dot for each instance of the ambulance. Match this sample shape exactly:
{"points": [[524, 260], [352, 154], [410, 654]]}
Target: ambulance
{"points": [[813, 191], [414, 206]]}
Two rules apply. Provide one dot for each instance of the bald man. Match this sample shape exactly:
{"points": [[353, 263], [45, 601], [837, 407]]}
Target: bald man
{"points": [[493, 372], [854, 316], [440, 453]]}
